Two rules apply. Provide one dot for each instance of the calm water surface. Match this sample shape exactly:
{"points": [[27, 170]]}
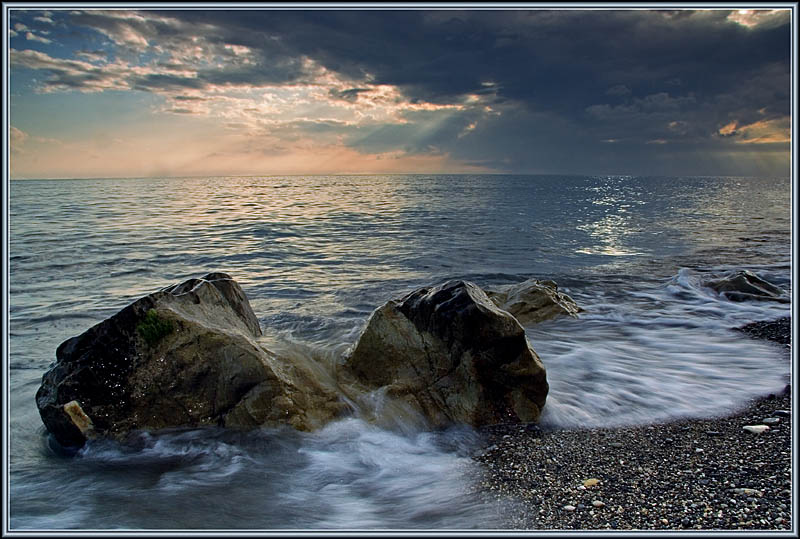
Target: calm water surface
{"points": [[316, 255]]}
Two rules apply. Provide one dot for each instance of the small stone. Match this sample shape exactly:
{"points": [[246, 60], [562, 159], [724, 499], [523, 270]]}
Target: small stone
{"points": [[616, 444], [590, 482], [569, 508], [756, 429], [581, 506], [698, 450], [748, 492], [771, 420], [598, 503], [581, 487], [664, 521], [713, 433], [782, 413]]}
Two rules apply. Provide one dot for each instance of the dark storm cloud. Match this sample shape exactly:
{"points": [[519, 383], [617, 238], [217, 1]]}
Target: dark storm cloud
{"points": [[563, 58], [351, 94], [621, 84], [631, 76]]}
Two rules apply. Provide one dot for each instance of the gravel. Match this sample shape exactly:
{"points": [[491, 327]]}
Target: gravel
{"points": [[690, 474], [779, 330]]}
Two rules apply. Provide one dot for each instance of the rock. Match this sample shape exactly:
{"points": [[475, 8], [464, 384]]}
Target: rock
{"points": [[771, 420], [185, 356], [756, 429], [534, 301], [450, 354], [569, 508], [744, 285], [782, 413], [598, 503], [591, 482]]}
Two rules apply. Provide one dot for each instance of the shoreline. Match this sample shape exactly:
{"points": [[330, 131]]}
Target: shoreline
{"points": [[685, 474]]}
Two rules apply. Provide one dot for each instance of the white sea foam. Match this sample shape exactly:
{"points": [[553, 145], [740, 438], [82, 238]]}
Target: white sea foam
{"points": [[656, 353]]}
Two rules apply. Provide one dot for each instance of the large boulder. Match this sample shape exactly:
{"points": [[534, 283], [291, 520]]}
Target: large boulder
{"points": [[184, 356], [534, 301], [450, 354], [745, 285]]}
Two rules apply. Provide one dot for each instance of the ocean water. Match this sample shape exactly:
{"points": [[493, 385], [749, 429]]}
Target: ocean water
{"points": [[315, 256]]}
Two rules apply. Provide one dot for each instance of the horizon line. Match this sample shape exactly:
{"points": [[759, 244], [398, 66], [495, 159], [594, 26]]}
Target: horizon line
{"points": [[296, 175]]}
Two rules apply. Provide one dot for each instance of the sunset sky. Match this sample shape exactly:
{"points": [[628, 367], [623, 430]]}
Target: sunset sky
{"points": [[184, 92]]}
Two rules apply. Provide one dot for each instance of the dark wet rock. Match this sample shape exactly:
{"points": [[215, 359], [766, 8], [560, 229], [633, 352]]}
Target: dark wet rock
{"points": [[184, 356], [534, 301], [452, 355], [745, 285]]}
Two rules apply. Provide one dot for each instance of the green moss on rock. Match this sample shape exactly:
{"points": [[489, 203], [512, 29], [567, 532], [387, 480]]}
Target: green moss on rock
{"points": [[153, 328]]}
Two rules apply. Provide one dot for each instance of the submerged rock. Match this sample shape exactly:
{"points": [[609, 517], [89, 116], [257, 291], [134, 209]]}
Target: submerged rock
{"points": [[745, 285], [534, 301], [184, 356], [452, 355]]}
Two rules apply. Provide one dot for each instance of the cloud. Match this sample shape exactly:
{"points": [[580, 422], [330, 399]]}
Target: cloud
{"points": [[758, 18], [508, 88], [17, 140], [93, 56], [777, 130], [618, 89], [71, 74], [30, 36]]}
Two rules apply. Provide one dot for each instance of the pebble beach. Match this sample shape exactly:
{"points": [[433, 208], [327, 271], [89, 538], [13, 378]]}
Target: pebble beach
{"points": [[688, 474]]}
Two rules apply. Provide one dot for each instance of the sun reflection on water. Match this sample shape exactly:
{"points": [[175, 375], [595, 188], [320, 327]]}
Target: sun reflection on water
{"points": [[613, 225]]}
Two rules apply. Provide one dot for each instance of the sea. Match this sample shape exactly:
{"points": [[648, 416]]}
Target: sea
{"points": [[315, 256]]}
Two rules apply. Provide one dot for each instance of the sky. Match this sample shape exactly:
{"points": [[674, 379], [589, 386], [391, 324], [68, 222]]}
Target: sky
{"points": [[204, 92]]}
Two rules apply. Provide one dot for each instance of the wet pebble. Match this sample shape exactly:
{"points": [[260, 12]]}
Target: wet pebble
{"points": [[642, 480]]}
